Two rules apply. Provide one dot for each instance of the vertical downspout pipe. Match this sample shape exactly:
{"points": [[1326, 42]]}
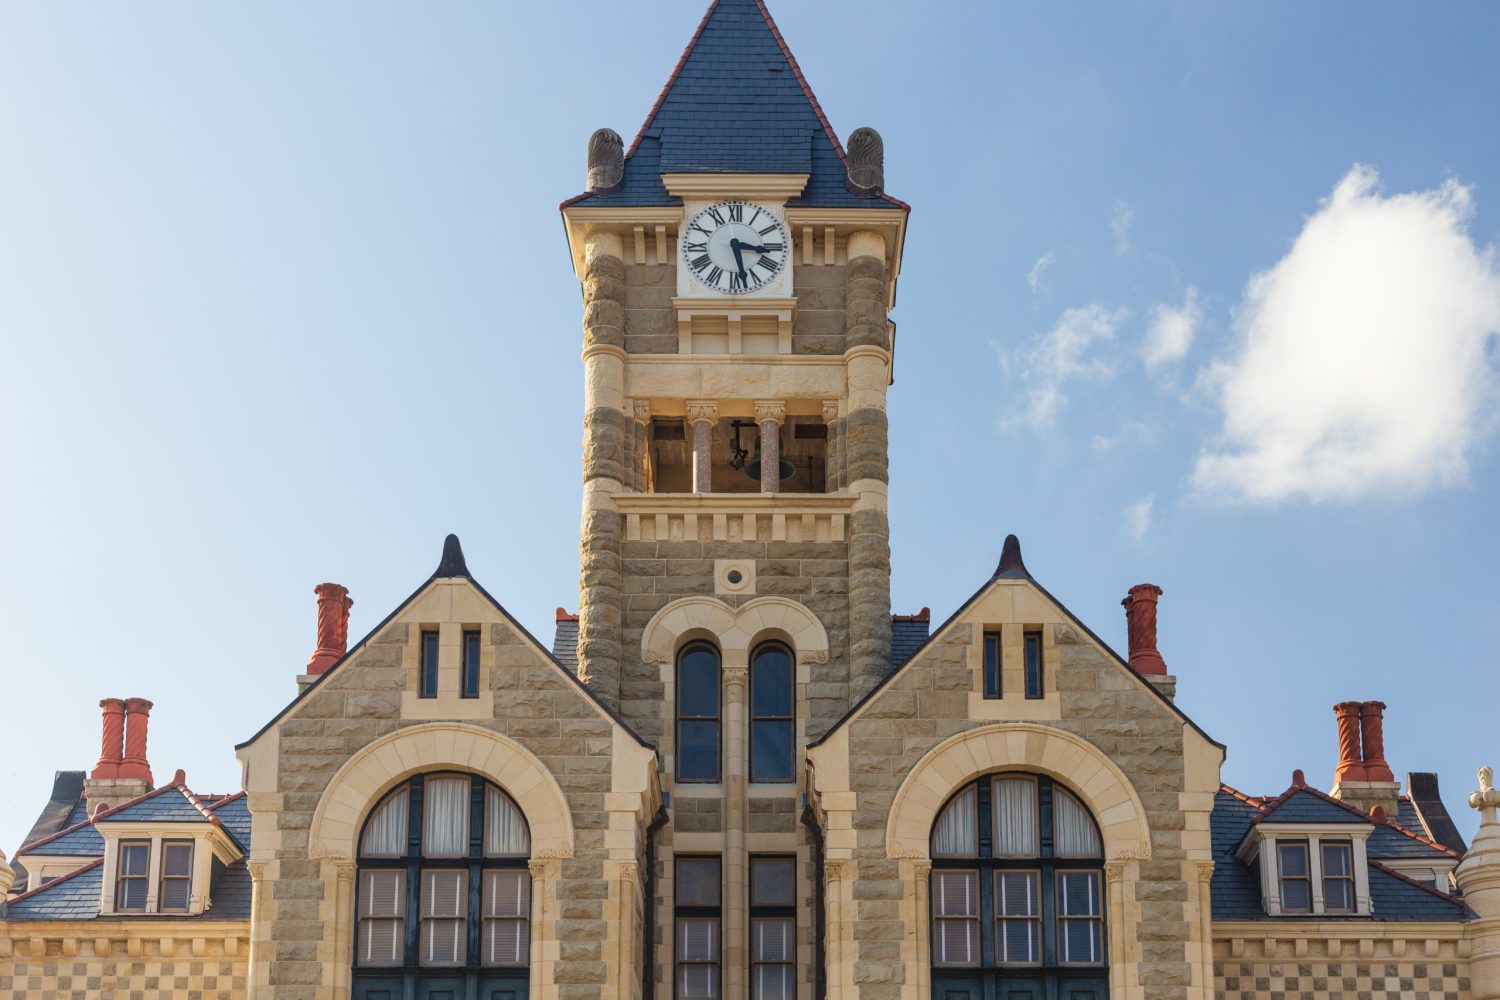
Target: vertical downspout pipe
{"points": [[820, 973], [648, 932]]}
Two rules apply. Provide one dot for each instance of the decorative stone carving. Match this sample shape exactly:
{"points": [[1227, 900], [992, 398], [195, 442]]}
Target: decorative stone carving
{"points": [[773, 410], [641, 410], [866, 156], [700, 410], [606, 161], [830, 410], [1487, 799], [736, 677]]}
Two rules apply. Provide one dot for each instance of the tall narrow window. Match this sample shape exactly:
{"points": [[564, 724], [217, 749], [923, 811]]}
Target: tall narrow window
{"points": [[1018, 910], [1080, 922], [992, 665], [957, 834], [1296, 880], [428, 666], [1015, 817], [134, 865], [772, 696], [470, 685], [773, 928], [698, 913], [1338, 876], [443, 890], [176, 875], [1033, 649], [698, 714]]}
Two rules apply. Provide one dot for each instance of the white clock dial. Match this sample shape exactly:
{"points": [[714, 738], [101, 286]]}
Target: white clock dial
{"points": [[734, 247]]}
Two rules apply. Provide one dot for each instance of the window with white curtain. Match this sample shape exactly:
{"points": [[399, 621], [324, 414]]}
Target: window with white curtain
{"points": [[442, 863], [1016, 891]]}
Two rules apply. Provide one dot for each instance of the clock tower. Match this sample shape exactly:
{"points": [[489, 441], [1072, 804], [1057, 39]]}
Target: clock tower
{"points": [[738, 264]]}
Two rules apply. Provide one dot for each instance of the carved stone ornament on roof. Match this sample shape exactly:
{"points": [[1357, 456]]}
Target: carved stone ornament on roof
{"points": [[606, 161], [866, 155], [1487, 799]]}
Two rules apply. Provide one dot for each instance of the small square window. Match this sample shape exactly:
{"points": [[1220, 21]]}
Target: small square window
{"points": [[697, 881]]}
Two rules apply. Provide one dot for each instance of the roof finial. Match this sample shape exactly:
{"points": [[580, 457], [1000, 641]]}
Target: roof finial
{"points": [[453, 559], [1010, 559], [866, 155], [606, 161]]}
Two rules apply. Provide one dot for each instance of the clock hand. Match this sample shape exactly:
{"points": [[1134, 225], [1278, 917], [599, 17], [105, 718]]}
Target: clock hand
{"points": [[739, 261], [747, 246]]}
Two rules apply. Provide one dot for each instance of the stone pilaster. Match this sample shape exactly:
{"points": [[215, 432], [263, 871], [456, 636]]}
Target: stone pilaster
{"points": [[865, 454], [770, 414], [640, 465], [736, 806], [607, 427], [701, 415]]}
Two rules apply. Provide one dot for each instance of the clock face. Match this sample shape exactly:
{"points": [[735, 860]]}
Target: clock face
{"points": [[734, 247]]}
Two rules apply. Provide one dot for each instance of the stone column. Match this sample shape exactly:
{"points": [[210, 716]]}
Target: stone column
{"points": [[1350, 767], [736, 808], [864, 444], [833, 936], [921, 872], [257, 978], [1114, 878], [770, 414], [605, 429], [543, 928], [344, 924], [1478, 876], [701, 414], [641, 464], [832, 455]]}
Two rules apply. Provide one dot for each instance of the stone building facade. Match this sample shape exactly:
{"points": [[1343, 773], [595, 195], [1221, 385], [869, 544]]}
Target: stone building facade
{"points": [[734, 773]]}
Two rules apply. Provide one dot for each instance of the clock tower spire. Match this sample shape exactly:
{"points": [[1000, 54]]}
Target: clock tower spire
{"points": [[738, 265]]}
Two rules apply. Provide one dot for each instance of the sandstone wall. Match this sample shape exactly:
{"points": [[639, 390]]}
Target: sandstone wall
{"points": [[94, 960]]}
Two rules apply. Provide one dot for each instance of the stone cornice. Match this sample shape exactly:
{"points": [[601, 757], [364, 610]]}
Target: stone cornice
{"points": [[775, 188]]}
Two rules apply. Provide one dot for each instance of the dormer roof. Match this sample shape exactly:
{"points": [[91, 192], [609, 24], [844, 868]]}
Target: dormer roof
{"points": [[736, 102]]}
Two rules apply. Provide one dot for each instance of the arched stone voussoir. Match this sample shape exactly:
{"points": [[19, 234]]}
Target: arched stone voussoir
{"points": [[735, 629], [436, 746], [1020, 746]]}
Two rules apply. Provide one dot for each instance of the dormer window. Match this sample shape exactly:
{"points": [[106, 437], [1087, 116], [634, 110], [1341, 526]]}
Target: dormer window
{"points": [[1310, 870], [133, 876], [176, 875]]}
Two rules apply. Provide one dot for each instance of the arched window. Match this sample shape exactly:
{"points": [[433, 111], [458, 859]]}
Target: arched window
{"points": [[443, 897], [772, 713], [1017, 893], [698, 713]]}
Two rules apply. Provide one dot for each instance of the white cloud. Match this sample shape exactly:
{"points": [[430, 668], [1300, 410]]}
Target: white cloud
{"points": [[1034, 276], [1119, 224], [1362, 367], [1064, 353], [1170, 335], [1138, 518], [1130, 432]]}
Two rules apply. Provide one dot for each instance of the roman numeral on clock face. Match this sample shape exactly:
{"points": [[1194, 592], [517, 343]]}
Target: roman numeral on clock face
{"points": [[769, 229], [770, 265], [717, 216], [736, 213], [736, 283], [699, 263], [713, 276], [698, 246]]}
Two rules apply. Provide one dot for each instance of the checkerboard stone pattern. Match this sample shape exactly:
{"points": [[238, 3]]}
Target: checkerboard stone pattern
{"points": [[123, 979], [1340, 980]]}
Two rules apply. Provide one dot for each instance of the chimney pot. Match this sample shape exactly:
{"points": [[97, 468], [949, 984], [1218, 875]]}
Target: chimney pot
{"points": [[333, 627], [137, 718], [1140, 623], [1299, 779], [1351, 762], [112, 739], [1372, 725]]}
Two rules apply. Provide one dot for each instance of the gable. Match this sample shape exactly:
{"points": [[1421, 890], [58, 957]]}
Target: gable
{"points": [[1303, 806]]}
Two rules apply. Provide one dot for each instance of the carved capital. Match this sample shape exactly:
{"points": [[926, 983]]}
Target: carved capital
{"points": [[833, 870], [541, 867], [813, 656], [257, 869], [920, 870], [1205, 870], [629, 872], [736, 676], [772, 410], [641, 410], [1114, 871], [700, 410], [830, 410]]}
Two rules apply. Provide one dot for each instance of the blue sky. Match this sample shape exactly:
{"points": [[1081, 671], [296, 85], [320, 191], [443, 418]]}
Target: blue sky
{"points": [[1194, 293]]}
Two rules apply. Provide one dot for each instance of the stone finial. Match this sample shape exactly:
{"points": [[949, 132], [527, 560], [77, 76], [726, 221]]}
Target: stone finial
{"points": [[333, 627], [452, 563], [1487, 799], [606, 161], [1140, 622], [866, 158], [1010, 559]]}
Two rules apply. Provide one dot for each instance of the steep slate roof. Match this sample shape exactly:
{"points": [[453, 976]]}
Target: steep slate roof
{"points": [[80, 839], [1424, 810], [736, 102], [75, 896], [64, 807], [1393, 896]]}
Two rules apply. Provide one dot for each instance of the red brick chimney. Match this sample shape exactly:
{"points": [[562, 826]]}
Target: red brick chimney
{"points": [[1351, 761], [137, 718], [112, 740], [1372, 726], [1140, 624], [333, 627]]}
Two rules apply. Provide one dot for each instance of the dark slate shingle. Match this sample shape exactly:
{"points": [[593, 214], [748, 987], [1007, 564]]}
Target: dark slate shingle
{"points": [[907, 637], [72, 897], [171, 805], [84, 842], [1305, 807]]}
